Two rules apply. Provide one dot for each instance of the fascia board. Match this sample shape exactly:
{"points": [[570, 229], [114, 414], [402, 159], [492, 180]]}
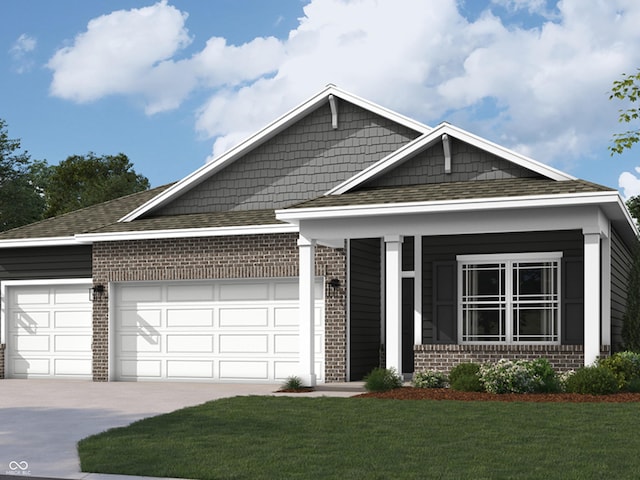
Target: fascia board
{"points": [[185, 233], [268, 132], [38, 242], [497, 203], [427, 140]]}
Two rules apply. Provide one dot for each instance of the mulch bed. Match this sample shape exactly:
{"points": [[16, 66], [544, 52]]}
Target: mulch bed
{"points": [[410, 393]]}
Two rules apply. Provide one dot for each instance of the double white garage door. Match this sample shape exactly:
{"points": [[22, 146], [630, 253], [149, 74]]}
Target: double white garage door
{"points": [[190, 331]]}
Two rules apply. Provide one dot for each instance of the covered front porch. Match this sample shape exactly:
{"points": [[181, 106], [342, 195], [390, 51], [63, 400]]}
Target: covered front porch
{"points": [[422, 253]]}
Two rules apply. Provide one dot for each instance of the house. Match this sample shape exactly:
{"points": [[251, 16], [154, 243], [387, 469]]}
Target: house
{"points": [[340, 237]]}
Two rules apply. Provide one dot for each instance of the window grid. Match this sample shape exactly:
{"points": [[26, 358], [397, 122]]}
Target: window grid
{"points": [[515, 301]]}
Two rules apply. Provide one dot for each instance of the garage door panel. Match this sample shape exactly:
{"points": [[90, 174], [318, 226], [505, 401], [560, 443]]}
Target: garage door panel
{"points": [[244, 317], [71, 296], [72, 319], [244, 291], [72, 367], [247, 332], [286, 317], [133, 343], [190, 293], [180, 317], [135, 318], [72, 343], [244, 370], [32, 296], [133, 369], [244, 343], [190, 343], [29, 321], [190, 369], [140, 294], [31, 343], [286, 344], [27, 366]]}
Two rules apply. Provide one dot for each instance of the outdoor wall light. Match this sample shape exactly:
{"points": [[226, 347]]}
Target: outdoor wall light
{"points": [[334, 283], [96, 291]]}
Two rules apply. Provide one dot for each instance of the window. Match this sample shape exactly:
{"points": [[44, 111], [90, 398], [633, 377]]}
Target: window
{"points": [[509, 298]]}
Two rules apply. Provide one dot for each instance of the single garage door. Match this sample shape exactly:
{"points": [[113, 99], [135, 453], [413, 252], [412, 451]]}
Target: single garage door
{"points": [[241, 330], [49, 331]]}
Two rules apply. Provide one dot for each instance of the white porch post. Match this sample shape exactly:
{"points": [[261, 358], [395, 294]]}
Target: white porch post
{"points": [[606, 287], [417, 291], [306, 249], [393, 290], [591, 297]]}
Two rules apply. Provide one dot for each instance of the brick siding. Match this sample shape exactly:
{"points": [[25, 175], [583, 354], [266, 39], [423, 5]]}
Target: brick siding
{"points": [[2, 349], [444, 357], [232, 257]]}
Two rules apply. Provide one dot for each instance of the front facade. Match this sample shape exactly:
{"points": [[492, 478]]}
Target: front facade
{"points": [[339, 238]]}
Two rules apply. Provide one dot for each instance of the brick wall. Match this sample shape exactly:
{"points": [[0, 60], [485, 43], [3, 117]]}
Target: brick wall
{"points": [[2, 349], [250, 256], [444, 357]]}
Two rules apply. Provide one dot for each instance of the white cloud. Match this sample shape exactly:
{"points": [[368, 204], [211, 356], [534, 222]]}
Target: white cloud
{"points": [[19, 51], [120, 53], [542, 90], [630, 184]]}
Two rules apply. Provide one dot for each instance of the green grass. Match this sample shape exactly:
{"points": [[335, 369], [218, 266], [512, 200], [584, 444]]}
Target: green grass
{"points": [[300, 438]]}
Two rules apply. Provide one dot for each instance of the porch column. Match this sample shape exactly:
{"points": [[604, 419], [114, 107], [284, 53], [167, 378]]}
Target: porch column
{"points": [[306, 367], [393, 295], [605, 283], [591, 297]]}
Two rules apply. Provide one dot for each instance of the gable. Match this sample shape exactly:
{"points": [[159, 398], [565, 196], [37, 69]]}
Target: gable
{"points": [[301, 162], [468, 163]]}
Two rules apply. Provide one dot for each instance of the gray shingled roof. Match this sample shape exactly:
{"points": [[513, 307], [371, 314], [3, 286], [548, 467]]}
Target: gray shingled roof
{"points": [[512, 187], [196, 220], [83, 220], [103, 218]]}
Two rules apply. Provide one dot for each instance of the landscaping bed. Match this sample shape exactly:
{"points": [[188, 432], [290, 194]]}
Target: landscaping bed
{"points": [[411, 393]]}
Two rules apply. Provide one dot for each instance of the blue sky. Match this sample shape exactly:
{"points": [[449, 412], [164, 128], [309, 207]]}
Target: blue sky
{"points": [[174, 83]]}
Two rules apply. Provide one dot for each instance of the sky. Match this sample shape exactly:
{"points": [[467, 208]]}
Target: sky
{"points": [[174, 83]]}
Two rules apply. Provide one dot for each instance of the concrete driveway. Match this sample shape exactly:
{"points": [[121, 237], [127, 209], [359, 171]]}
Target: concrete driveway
{"points": [[42, 420]]}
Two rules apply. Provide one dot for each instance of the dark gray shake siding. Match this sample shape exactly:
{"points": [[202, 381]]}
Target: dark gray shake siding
{"points": [[621, 262], [45, 263]]}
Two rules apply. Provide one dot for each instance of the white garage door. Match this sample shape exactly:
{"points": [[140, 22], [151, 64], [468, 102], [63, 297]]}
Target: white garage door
{"points": [[48, 331], [211, 331]]}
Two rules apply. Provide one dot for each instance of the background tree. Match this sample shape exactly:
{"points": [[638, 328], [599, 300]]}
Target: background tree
{"points": [[627, 90], [84, 180], [21, 196]]}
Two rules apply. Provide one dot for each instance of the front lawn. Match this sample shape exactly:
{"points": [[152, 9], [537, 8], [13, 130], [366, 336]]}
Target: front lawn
{"points": [[300, 438]]}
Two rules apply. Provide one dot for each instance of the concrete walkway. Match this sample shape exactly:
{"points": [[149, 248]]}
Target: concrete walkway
{"points": [[42, 420]]}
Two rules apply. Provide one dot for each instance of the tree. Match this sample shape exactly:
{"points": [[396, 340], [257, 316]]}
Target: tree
{"points": [[84, 180], [21, 198], [628, 90], [631, 318]]}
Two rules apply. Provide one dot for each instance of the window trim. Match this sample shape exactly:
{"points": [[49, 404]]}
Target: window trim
{"points": [[509, 259]]}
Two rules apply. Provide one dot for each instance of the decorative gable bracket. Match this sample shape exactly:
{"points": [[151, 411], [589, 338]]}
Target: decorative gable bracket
{"points": [[446, 146], [333, 103]]}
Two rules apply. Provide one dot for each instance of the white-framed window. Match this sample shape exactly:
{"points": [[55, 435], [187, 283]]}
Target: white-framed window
{"points": [[509, 298]]}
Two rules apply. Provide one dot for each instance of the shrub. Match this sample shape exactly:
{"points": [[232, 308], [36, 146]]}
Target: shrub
{"points": [[292, 383], [519, 376], [593, 380], [625, 366], [464, 377], [429, 379], [382, 379]]}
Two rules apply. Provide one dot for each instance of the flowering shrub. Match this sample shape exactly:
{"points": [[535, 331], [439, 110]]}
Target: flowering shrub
{"points": [[519, 376], [429, 379]]}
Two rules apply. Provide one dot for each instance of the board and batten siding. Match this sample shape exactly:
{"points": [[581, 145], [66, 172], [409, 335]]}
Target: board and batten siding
{"points": [[621, 264], [439, 254], [365, 306], [45, 263]]}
